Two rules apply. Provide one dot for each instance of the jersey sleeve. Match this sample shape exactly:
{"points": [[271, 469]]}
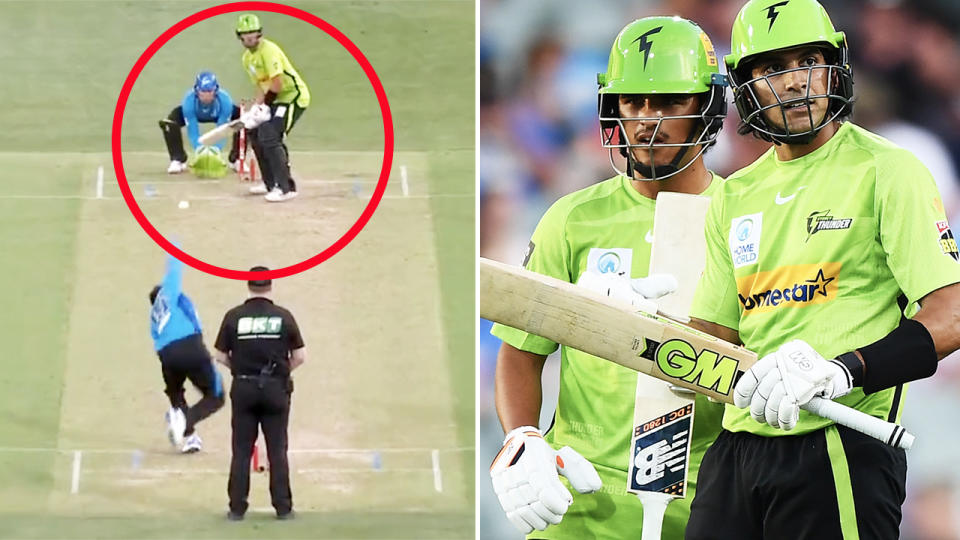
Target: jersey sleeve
{"points": [[190, 119], [226, 107], [224, 113], [222, 342], [246, 61], [173, 279], [921, 250], [715, 299], [294, 340], [548, 253], [272, 59]]}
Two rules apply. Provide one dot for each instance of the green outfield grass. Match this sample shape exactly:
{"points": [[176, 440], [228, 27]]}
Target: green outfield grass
{"points": [[388, 322]]}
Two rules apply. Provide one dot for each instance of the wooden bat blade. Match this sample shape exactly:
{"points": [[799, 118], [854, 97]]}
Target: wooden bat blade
{"points": [[597, 325], [219, 132], [663, 420], [679, 247]]}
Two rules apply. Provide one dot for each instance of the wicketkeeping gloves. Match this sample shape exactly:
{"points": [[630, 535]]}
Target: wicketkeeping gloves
{"points": [[208, 162], [525, 477]]}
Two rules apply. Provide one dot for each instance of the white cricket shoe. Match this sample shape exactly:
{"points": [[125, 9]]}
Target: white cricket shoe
{"points": [[192, 444], [176, 424], [176, 167], [258, 189], [278, 196]]}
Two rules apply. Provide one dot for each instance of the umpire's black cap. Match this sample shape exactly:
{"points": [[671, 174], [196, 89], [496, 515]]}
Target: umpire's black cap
{"points": [[259, 282]]}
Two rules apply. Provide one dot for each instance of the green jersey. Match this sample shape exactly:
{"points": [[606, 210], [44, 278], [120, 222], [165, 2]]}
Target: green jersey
{"points": [[821, 248], [266, 62], [607, 227]]}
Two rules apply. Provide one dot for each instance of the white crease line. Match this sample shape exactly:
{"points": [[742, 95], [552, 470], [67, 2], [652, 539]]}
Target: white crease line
{"points": [[75, 479], [100, 182], [309, 181], [437, 475], [404, 185], [320, 470], [222, 197], [226, 471], [398, 449]]}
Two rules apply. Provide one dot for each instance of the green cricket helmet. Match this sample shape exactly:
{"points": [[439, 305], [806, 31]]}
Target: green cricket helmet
{"points": [[764, 26], [661, 55], [248, 22]]}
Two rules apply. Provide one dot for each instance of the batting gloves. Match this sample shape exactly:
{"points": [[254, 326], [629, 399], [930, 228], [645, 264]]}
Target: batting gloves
{"points": [[255, 116], [526, 480], [783, 381], [636, 292]]}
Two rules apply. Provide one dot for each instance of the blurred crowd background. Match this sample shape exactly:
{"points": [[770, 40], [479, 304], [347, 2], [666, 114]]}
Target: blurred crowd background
{"points": [[539, 140]]}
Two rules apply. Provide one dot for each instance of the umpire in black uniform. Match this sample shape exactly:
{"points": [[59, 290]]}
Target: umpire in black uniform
{"points": [[261, 344]]}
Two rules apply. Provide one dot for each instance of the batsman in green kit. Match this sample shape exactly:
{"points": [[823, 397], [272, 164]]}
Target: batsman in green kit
{"points": [[831, 257], [661, 105], [280, 87]]}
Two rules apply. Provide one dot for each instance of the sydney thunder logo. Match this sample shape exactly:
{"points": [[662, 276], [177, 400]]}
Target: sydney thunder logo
{"points": [[772, 13], [823, 221], [645, 44]]}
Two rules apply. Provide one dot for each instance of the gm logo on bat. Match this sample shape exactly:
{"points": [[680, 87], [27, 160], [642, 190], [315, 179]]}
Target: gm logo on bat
{"points": [[706, 369]]}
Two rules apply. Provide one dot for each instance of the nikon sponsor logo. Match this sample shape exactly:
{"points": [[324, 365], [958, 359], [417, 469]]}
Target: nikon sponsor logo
{"points": [[789, 286], [823, 221]]}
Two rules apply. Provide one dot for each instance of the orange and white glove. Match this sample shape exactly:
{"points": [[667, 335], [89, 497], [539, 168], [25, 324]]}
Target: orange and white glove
{"points": [[526, 480]]}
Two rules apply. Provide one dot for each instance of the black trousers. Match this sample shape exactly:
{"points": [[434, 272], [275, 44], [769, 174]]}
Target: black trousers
{"points": [[260, 403], [174, 139], [834, 483], [184, 359], [270, 147]]}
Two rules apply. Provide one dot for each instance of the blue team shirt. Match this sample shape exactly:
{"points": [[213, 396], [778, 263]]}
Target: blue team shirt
{"points": [[194, 112], [172, 316]]}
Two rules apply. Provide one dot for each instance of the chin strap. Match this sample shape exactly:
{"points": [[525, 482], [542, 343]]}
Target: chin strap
{"points": [[662, 171]]}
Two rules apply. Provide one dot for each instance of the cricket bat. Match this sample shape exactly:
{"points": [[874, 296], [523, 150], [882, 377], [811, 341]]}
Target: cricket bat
{"points": [[662, 418], [650, 344], [220, 132]]}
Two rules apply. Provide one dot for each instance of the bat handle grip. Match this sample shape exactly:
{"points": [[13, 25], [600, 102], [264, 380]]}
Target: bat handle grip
{"points": [[654, 506], [888, 432]]}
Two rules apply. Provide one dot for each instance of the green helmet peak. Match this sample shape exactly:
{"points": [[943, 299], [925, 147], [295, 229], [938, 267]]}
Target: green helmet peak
{"points": [[766, 26], [661, 55], [769, 25], [248, 22]]}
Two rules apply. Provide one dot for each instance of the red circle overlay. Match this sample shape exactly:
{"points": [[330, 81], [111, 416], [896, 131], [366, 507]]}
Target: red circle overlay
{"points": [[374, 198]]}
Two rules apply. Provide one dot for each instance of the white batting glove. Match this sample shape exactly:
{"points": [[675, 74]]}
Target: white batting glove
{"points": [[256, 115], [248, 120], [525, 479], [783, 381], [636, 292], [261, 112]]}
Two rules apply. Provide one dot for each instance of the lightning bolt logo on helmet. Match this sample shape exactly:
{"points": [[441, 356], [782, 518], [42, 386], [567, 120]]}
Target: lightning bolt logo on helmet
{"points": [[645, 44], [772, 13]]}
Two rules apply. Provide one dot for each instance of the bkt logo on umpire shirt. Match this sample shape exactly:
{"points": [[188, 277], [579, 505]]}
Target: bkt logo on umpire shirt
{"points": [[259, 327]]}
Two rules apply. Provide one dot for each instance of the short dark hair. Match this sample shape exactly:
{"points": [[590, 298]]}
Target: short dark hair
{"points": [[153, 294], [259, 285]]}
